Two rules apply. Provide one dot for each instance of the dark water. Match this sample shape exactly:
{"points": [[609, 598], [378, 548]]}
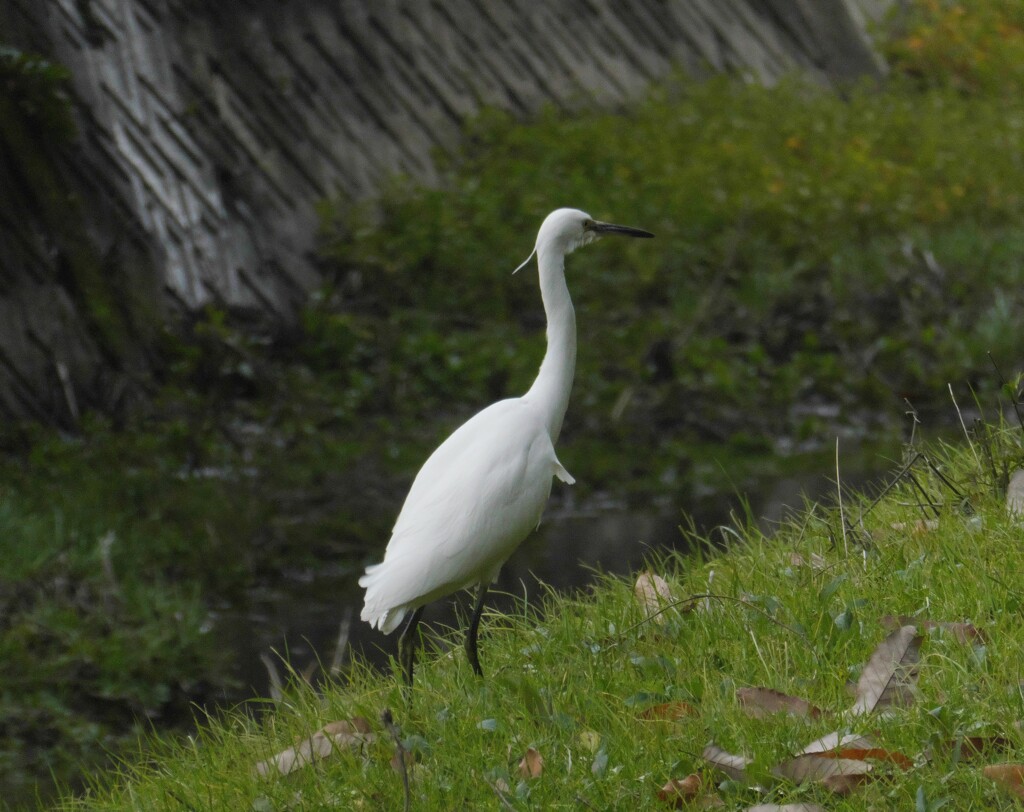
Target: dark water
{"points": [[302, 617]]}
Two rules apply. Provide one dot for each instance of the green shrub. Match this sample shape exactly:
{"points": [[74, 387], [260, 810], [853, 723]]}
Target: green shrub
{"points": [[849, 250]]}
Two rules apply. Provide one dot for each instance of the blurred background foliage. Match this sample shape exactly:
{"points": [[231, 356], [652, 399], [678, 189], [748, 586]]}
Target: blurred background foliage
{"points": [[820, 256]]}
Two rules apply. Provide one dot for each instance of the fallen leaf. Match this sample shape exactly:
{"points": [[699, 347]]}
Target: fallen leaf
{"points": [[678, 791], [669, 711], [836, 741], [966, 633], [532, 764], [1015, 493], [732, 765], [359, 724], [968, 747], [652, 594], [762, 702], [786, 808], [817, 767], [844, 784], [876, 753], [400, 757], [1009, 777], [344, 734], [890, 674]]}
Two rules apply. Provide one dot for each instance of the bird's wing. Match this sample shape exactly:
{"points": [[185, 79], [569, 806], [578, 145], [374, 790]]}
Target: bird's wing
{"points": [[475, 498]]}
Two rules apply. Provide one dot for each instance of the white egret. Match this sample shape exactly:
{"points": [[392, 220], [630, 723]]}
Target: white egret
{"points": [[483, 490]]}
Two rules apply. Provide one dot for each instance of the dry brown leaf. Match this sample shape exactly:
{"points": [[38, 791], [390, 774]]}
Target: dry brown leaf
{"points": [[890, 674], [818, 767], [835, 741], [846, 783], [669, 711], [344, 734], [759, 703], [532, 764], [680, 791], [652, 594], [403, 756], [1015, 493], [970, 747], [1009, 777], [357, 724], [732, 765], [876, 753], [966, 633], [786, 808]]}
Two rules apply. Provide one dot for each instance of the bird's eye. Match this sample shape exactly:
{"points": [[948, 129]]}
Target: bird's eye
{"points": [[588, 224]]}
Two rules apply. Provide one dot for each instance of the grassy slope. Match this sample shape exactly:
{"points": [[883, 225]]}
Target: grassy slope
{"points": [[574, 684]]}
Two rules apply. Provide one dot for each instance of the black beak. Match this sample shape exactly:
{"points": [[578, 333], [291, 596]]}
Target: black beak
{"points": [[610, 228]]}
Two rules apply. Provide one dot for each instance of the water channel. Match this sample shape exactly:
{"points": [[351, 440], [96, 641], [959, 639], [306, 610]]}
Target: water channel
{"points": [[303, 615]]}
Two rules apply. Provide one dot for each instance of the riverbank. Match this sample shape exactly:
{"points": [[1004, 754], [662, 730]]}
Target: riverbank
{"points": [[820, 259], [617, 692]]}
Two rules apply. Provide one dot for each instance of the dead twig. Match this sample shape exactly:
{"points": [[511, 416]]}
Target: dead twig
{"points": [[341, 647], [896, 480], [912, 412], [839, 496], [942, 478], [963, 425], [276, 683], [923, 494]]}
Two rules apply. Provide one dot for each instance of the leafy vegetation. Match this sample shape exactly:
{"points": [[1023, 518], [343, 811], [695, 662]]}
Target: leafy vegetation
{"points": [[819, 257], [973, 47], [709, 677]]}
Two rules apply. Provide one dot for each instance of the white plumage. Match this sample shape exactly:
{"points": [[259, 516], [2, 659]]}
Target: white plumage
{"points": [[443, 542], [484, 489]]}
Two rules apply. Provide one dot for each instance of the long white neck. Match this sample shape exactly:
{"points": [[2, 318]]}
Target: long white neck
{"points": [[550, 392]]}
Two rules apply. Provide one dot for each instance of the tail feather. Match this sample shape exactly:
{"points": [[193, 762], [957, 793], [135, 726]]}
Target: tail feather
{"points": [[376, 610]]}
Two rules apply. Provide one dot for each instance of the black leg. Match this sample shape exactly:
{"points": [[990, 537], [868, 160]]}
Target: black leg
{"points": [[407, 645], [474, 627]]}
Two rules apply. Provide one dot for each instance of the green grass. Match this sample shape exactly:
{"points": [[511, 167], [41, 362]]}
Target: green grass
{"points": [[574, 682]]}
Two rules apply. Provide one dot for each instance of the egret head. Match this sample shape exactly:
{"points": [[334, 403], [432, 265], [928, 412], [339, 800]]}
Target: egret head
{"points": [[565, 230]]}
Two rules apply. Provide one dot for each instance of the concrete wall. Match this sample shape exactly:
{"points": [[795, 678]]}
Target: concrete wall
{"points": [[208, 130]]}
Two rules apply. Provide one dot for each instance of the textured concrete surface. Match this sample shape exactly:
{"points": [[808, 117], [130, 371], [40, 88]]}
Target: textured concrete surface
{"points": [[209, 130]]}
